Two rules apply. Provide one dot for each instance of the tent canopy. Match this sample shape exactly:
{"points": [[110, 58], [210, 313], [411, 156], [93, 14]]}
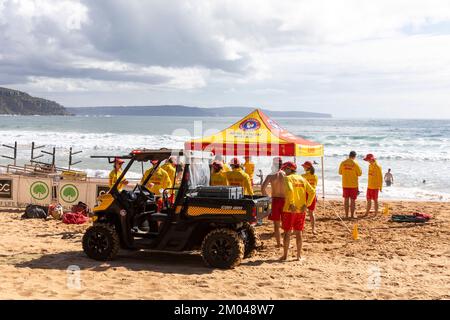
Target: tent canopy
{"points": [[256, 135]]}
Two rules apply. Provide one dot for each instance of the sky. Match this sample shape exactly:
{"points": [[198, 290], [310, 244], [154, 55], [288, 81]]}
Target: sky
{"points": [[350, 58]]}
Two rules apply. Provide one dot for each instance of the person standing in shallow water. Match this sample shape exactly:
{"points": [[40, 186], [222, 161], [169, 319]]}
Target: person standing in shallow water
{"points": [[389, 178], [350, 172]]}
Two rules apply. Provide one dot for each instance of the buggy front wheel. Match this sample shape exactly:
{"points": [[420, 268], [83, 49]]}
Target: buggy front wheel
{"points": [[101, 242]]}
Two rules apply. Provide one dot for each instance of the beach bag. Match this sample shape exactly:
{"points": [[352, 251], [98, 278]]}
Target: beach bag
{"points": [[74, 218], [81, 207], [33, 211], [424, 216], [416, 217]]}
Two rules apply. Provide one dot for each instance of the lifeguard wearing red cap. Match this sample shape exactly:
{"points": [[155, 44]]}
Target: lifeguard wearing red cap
{"points": [[235, 162], [118, 160], [218, 165], [307, 165], [369, 157], [289, 165]]}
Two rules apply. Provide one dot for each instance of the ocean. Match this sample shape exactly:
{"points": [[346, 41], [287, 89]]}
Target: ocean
{"points": [[417, 151]]}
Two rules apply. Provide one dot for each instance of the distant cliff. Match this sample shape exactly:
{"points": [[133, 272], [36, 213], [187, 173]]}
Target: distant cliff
{"points": [[184, 111], [21, 103]]}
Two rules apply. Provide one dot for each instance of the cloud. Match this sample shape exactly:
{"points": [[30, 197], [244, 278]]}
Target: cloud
{"points": [[275, 53], [168, 34], [42, 41]]}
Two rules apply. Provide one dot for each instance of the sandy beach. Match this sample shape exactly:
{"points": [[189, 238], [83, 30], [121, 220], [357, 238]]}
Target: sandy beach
{"points": [[389, 261]]}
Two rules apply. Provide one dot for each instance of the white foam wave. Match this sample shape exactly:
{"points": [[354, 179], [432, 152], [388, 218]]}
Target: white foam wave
{"points": [[92, 141]]}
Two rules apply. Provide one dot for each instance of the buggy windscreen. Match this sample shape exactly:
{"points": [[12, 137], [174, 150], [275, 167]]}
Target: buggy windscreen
{"points": [[199, 173]]}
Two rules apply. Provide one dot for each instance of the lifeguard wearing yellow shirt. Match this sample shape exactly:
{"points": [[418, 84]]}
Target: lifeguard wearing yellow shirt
{"points": [[170, 168], [237, 177], [309, 175], [312, 178], [160, 180], [219, 158], [298, 196], [218, 176], [350, 172], [115, 174], [375, 182], [249, 168]]}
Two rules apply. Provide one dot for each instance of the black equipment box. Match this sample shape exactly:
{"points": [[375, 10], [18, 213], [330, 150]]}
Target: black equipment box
{"points": [[223, 192]]}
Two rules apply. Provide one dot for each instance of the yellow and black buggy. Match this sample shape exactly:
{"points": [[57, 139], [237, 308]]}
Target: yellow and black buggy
{"points": [[216, 220]]}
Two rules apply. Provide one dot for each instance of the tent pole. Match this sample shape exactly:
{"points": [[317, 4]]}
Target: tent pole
{"points": [[323, 184], [323, 179]]}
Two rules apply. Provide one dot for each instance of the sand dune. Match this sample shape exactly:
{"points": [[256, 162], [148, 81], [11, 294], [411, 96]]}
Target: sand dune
{"points": [[389, 261]]}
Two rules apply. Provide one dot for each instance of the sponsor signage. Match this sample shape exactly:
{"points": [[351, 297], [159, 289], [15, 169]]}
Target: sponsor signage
{"points": [[39, 190], [6, 188], [250, 124], [101, 189], [69, 193]]}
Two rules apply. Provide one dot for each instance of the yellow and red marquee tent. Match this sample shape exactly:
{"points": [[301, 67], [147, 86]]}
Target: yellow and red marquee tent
{"points": [[256, 135]]}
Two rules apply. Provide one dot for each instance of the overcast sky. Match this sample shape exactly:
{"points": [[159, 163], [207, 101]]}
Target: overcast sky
{"points": [[360, 58]]}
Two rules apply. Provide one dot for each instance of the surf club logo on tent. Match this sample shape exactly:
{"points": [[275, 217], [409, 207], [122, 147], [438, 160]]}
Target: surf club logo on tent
{"points": [[250, 124]]}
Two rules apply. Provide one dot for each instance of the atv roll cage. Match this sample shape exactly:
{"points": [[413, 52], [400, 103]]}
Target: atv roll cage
{"points": [[142, 155]]}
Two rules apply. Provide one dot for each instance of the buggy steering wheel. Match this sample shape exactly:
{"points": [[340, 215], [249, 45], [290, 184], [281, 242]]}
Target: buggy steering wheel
{"points": [[144, 190]]}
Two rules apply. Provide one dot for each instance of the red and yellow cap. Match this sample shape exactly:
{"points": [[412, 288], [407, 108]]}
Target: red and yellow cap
{"points": [[118, 160], [307, 165], [289, 165], [217, 165], [369, 157], [235, 162]]}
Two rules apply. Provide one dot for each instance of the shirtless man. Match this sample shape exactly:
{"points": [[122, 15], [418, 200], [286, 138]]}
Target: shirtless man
{"points": [[276, 181], [389, 178]]}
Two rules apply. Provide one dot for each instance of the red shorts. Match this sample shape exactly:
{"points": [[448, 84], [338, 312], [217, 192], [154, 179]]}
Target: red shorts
{"points": [[312, 207], [277, 209], [293, 221], [372, 194], [351, 193]]}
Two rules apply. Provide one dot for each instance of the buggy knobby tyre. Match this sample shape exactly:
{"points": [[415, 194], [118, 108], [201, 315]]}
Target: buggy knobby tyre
{"points": [[101, 242], [250, 238], [222, 248]]}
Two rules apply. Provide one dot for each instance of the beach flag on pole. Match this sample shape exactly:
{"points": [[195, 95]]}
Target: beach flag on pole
{"points": [[355, 233]]}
